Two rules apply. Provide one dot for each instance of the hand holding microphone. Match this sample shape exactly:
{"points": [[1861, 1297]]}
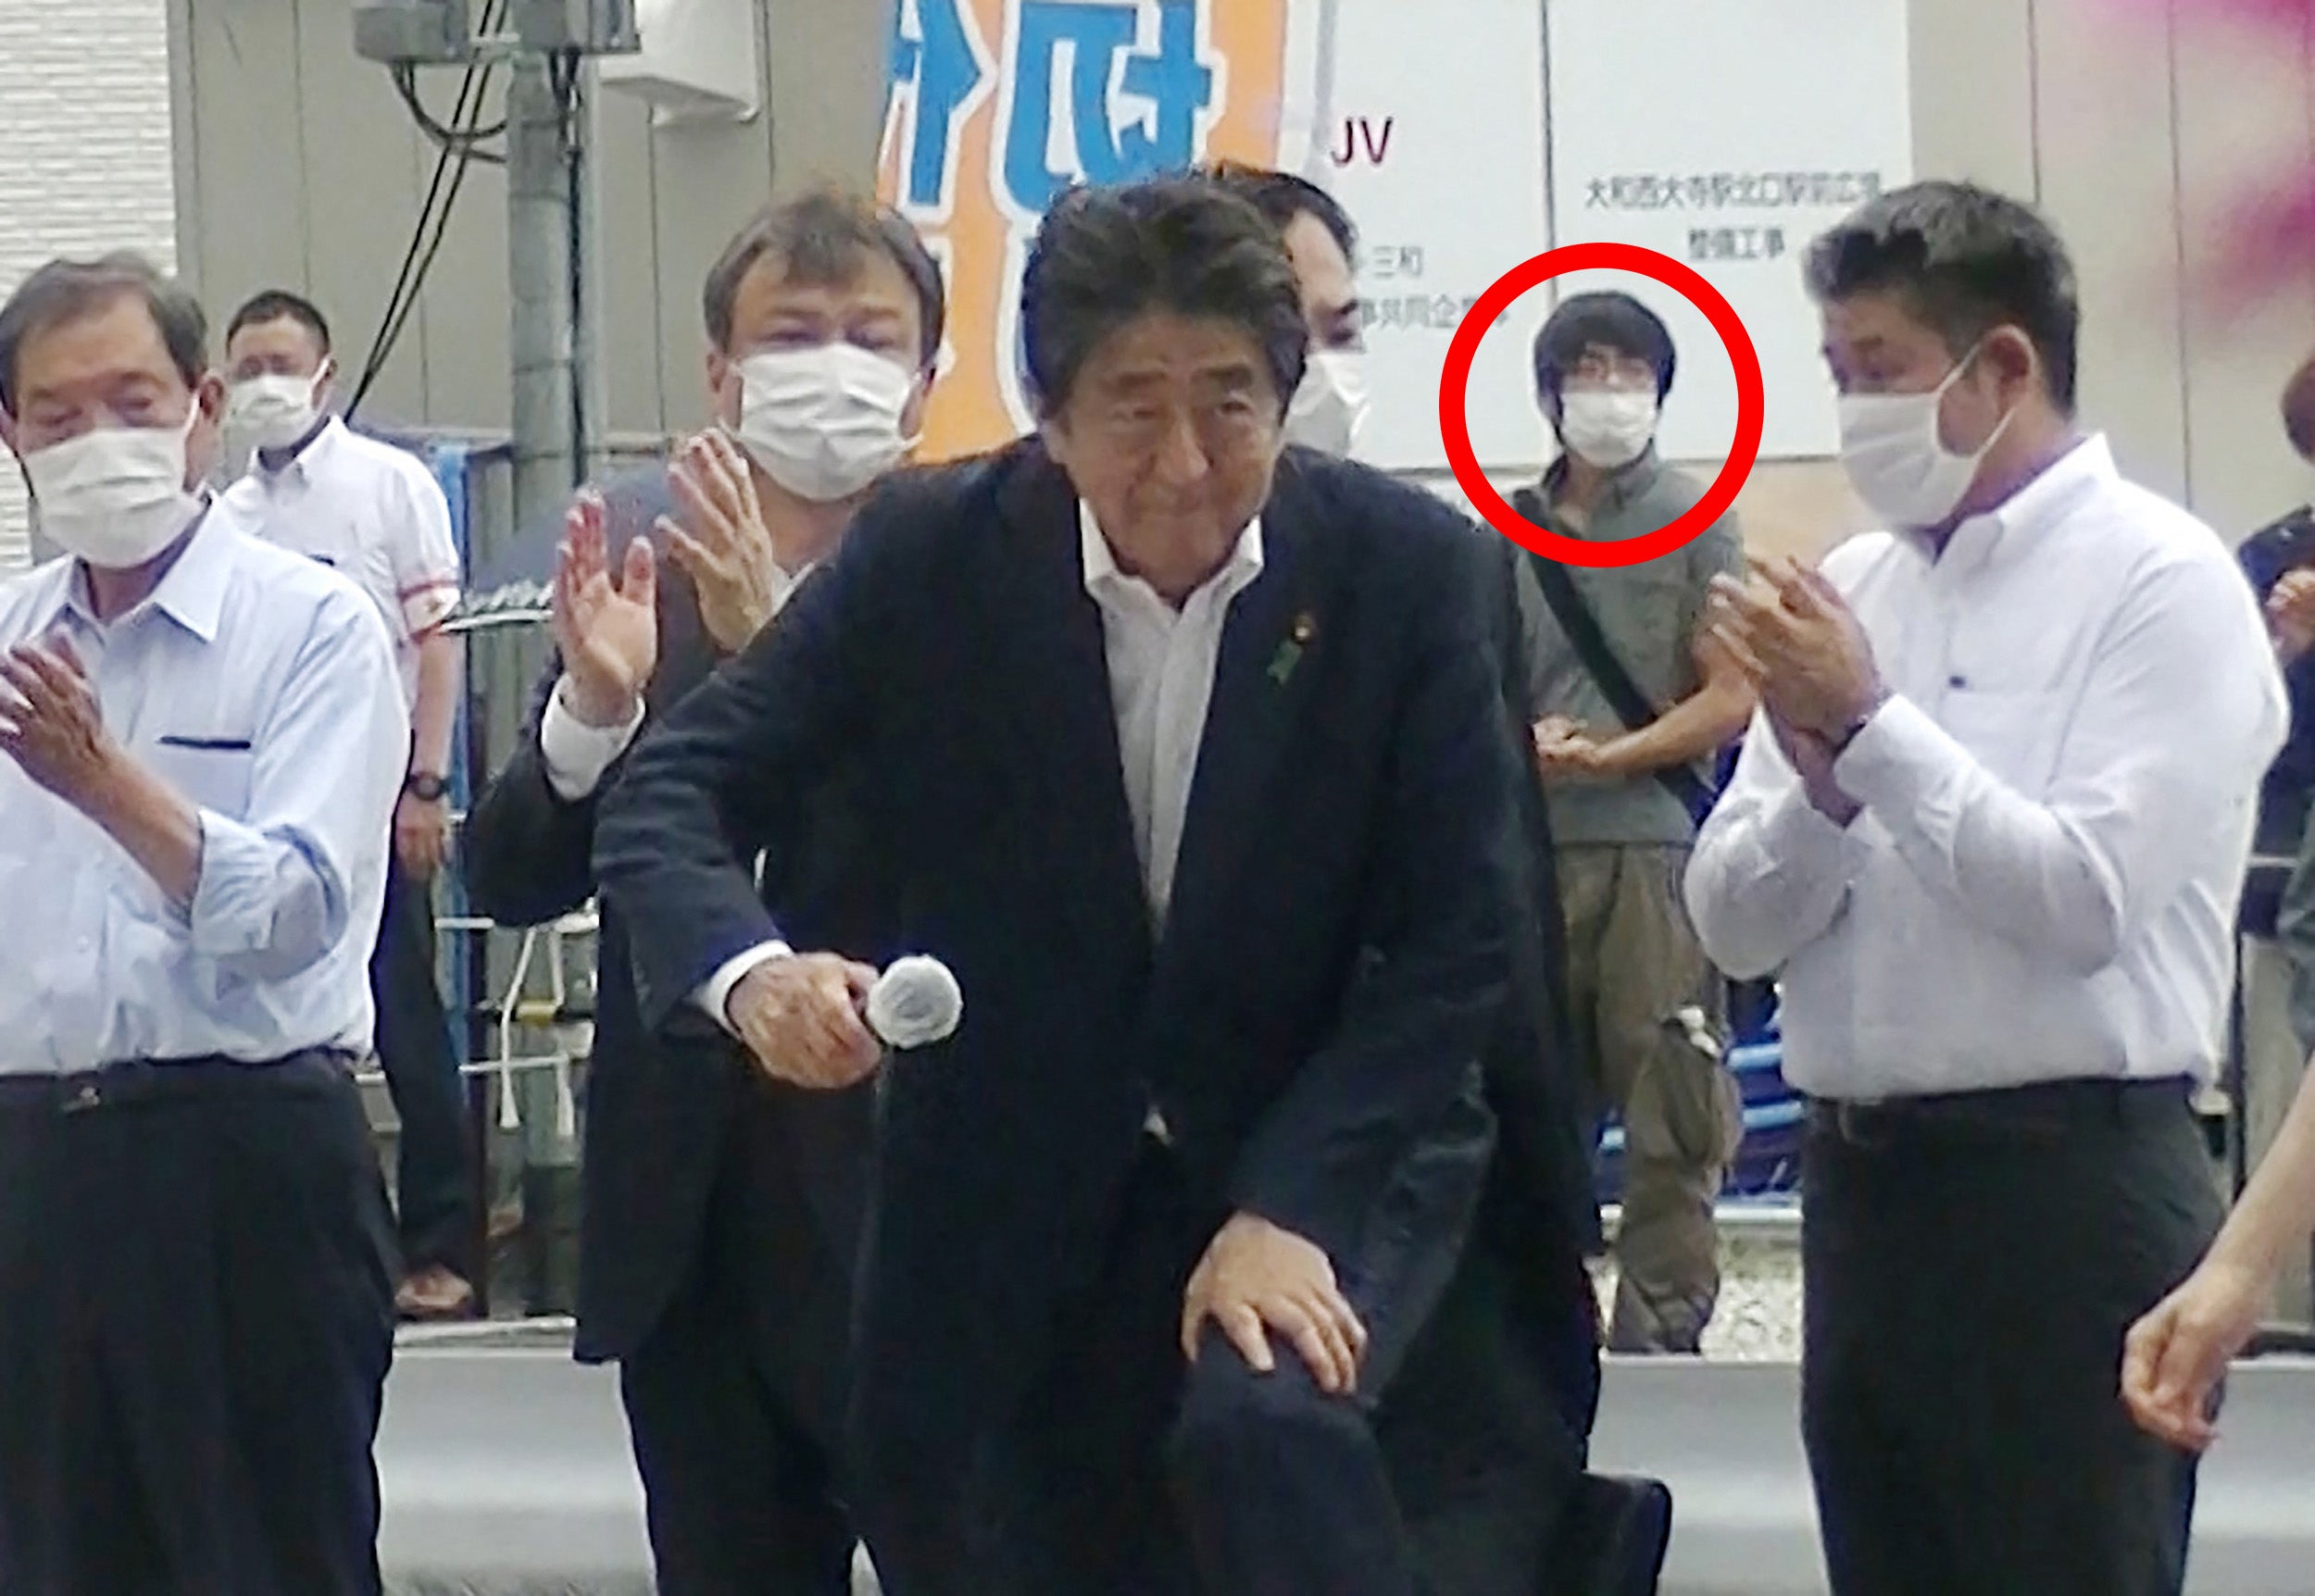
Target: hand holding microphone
{"points": [[915, 1003], [822, 1022]]}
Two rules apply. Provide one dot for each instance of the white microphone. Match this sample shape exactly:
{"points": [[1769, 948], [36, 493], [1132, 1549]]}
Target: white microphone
{"points": [[915, 1003]]}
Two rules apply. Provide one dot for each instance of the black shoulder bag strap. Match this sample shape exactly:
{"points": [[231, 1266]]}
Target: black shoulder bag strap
{"points": [[1632, 706]]}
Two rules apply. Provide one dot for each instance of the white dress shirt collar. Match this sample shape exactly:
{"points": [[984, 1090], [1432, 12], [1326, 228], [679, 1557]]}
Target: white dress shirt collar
{"points": [[307, 461], [2085, 468], [1161, 662], [1104, 574], [190, 593]]}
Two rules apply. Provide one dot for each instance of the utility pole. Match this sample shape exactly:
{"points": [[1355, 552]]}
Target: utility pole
{"points": [[544, 290], [552, 288], [554, 422]]}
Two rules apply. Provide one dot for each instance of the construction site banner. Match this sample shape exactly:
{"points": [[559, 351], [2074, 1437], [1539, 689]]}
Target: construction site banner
{"points": [[1766, 121]]}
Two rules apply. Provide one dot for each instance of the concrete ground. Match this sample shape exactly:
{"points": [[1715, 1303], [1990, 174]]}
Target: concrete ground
{"points": [[506, 1470]]}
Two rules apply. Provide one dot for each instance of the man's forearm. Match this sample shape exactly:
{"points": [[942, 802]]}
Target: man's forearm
{"points": [[434, 718], [2277, 1209], [156, 827], [1697, 726]]}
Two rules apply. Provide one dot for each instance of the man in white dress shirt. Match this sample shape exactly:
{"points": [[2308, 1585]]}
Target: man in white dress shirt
{"points": [[199, 749], [1992, 828], [374, 513]]}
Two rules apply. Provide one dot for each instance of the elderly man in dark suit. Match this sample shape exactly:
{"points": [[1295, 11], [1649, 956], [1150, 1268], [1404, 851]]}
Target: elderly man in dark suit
{"points": [[1488, 1430], [1192, 763], [721, 1208]]}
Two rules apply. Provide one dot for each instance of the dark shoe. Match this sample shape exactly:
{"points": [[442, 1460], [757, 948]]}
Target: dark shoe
{"points": [[1619, 1528]]}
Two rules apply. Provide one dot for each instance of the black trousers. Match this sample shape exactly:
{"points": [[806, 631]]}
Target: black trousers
{"points": [[196, 1323], [1487, 1430], [1126, 1474], [1973, 1265], [434, 1189], [735, 1401]]}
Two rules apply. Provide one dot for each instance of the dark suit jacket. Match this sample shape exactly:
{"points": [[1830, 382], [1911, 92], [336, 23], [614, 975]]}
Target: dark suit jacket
{"points": [[660, 1108], [1352, 793], [1541, 1200], [2267, 556]]}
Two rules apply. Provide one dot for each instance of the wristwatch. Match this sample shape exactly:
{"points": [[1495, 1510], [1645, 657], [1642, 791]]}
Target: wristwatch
{"points": [[1840, 744], [425, 786]]}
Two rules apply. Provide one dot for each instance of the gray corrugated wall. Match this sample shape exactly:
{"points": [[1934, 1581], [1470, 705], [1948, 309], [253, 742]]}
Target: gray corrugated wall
{"points": [[296, 166]]}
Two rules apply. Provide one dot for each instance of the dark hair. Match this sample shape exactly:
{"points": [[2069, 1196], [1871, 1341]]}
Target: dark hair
{"points": [[821, 238], [67, 291], [1282, 196], [1105, 255], [1966, 260], [2298, 409], [1614, 321], [281, 304]]}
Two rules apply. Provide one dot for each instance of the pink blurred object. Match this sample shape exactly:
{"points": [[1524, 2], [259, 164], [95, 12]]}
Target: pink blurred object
{"points": [[2270, 235], [2273, 13], [2269, 238]]}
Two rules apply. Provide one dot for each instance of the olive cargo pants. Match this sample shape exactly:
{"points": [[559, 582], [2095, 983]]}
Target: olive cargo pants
{"points": [[1642, 999]]}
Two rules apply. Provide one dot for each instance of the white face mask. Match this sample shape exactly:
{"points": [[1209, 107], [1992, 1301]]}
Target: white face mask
{"points": [[1330, 404], [115, 497], [825, 422], [272, 412], [1608, 427], [1897, 462]]}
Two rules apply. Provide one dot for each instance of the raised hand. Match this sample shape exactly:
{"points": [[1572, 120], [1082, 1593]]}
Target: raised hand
{"points": [[50, 723], [723, 543], [606, 632]]}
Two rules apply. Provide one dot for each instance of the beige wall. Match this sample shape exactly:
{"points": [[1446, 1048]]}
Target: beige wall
{"points": [[84, 122], [296, 165], [2137, 146]]}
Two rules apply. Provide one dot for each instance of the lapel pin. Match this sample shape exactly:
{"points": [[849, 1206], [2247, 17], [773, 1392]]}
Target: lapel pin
{"points": [[1289, 652]]}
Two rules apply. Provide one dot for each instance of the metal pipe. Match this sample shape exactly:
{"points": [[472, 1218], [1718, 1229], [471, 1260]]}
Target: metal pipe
{"points": [[543, 335]]}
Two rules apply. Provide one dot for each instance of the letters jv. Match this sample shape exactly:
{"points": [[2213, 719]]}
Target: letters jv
{"points": [[1361, 133]]}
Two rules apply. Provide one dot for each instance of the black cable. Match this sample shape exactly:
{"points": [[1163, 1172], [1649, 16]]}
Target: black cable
{"points": [[564, 71], [391, 334], [451, 161], [409, 255], [406, 85]]}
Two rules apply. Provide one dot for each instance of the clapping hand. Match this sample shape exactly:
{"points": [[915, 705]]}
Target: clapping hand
{"points": [[1803, 646], [51, 724], [723, 544], [2291, 614], [606, 632]]}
